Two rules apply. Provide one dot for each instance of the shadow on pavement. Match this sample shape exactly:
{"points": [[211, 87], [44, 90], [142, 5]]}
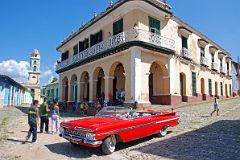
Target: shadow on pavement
{"points": [[23, 109], [73, 151], [18, 141], [220, 140]]}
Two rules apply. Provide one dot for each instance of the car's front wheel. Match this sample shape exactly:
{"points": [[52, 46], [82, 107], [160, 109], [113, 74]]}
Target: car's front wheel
{"points": [[163, 131], [109, 144]]}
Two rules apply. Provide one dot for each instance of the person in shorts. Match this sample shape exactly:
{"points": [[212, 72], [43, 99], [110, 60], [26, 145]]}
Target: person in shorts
{"points": [[216, 108]]}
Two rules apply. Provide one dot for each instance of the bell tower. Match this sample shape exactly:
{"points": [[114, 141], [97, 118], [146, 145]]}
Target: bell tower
{"points": [[34, 71]]}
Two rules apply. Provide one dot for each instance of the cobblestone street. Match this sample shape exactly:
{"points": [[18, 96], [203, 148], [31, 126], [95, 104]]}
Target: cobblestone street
{"points": [[198, 136]]}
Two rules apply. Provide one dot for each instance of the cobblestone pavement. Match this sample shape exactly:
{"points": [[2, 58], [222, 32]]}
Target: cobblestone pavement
{"points": [[198, 136]]}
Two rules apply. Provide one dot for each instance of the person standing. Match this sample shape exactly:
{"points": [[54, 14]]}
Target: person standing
{"points": [[123, 95], [55, 116], [215, 104], [33, 121], [44, 116]]}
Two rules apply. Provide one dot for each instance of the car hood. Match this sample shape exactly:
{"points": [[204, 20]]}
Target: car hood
{"points": [[93, 123]]}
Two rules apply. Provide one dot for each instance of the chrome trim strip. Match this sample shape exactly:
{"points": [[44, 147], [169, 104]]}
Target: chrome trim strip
{"points": [[82, 140], [139, 126]]}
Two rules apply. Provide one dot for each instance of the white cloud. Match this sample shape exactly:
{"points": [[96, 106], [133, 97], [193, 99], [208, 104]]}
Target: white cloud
{"points": [[46, 73], [15, 70]]}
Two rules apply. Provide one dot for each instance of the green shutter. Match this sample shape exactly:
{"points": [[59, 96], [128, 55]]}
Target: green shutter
{"points": [[75, 49], [194, 84], [221, 86], [210, 86], [154, 26], [118, 27], [184, 42], [202, 51], [212, 57]]}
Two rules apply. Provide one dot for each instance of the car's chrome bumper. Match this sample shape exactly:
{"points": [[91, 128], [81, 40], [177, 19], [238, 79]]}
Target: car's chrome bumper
{"points": [[80, 140]]}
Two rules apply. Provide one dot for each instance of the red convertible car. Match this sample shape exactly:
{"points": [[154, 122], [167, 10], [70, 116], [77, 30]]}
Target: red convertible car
{"points": [[116, 124]]}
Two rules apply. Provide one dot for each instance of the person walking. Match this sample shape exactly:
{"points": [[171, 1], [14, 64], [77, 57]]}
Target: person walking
{"points": [[216, 108], [55, 116], [33, 121], [44, 110]]}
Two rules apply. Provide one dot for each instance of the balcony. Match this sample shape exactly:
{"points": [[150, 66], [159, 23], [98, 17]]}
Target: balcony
{"points": [[132, 35], [204, 61], [222, 70], [214, 66], [186, 53]]}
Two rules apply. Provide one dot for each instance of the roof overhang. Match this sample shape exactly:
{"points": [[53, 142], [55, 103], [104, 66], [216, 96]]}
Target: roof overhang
{"points": [[157, 4], [202, 42], [184, 31]]}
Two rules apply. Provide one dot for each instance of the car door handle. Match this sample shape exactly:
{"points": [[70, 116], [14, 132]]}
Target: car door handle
{"points": [[149, 118]]}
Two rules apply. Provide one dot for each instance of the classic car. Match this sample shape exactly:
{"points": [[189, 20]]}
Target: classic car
{"points": [[116, 124]]}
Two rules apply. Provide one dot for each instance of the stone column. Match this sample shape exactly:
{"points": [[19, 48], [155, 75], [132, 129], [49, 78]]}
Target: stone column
{"points": [[78, 91], [60, 89], [136, 74], [69, 92], [171, 74], [108, 88]]}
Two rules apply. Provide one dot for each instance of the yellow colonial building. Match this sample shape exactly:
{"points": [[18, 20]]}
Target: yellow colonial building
{"points": [[139, 46]]}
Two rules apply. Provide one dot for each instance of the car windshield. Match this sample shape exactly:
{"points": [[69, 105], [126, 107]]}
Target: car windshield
{"points": [[116, 112]]}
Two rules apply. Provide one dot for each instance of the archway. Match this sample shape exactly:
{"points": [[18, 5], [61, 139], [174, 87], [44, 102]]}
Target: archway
{"points": [[202, 86], [65, 89], [73, 89], [216, 89], [99, 86], [158, 83], [118, 72], [85, 86], [182, 85]]}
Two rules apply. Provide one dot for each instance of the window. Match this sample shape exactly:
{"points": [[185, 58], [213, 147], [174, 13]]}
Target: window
{"points": [[118, 27], [221, 64], [35, 62], [83, 45], [34, 68], [154, 25], [221, 86], [210, 87], [96, 38], [212, 57], [194, 84], [202, 51], [65, 55], [184, 42], [75, 49], [228, 69], [33, 77]]}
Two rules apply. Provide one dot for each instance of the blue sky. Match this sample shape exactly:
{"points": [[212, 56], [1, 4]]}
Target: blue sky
{"points": [[43, 24]]}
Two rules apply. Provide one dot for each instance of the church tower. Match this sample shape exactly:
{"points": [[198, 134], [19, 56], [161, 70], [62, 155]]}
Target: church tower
{"points": [[34, 71]]}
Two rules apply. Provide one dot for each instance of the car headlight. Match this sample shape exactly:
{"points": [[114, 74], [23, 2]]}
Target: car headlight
{"points": [[61, 130], [90, 136]]}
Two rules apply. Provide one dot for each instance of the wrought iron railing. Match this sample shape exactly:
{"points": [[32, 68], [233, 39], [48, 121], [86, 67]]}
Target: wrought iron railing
{"points": [[116, 40], [214, 66], [204, 61], [186, 53]]}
